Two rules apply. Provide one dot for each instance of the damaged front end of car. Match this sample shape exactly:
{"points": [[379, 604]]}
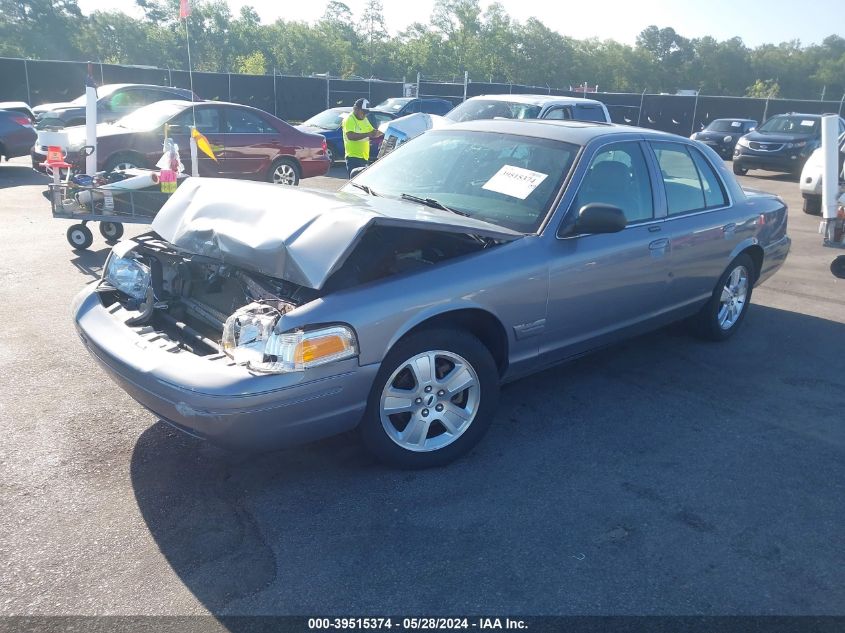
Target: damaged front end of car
{"points": [[219, 275]]}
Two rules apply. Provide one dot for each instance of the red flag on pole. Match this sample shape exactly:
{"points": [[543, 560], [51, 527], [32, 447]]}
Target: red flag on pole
{"points": [[184, 9]]}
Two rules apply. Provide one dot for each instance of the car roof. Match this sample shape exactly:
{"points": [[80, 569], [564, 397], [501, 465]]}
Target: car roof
{"points": [[731, 118], [577, 132], [536, 99]]}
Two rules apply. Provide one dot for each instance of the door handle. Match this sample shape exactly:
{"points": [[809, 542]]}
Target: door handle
{"points": [[659, 245]]}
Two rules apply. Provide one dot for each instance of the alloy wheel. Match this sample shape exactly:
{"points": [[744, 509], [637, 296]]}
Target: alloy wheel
{"points": [[429, 401], [734, 297], [284, 174]]}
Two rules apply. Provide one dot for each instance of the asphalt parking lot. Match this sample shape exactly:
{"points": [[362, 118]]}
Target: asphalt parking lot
{"points": [[662, 476]]}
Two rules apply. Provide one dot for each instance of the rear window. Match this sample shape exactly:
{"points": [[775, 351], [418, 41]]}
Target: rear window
{"points": [[590, 113]]}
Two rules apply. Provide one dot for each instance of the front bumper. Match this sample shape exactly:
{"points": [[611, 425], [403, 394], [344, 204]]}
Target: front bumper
{"points": [[724, 150], [212, 398], [786, 162]]}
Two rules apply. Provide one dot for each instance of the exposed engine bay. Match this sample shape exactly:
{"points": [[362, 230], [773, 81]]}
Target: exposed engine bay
{"points": [[190, 297]]}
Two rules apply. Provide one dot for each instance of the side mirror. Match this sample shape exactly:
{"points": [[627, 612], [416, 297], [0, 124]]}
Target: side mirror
{"points": [[356, 171], [598, 217]]}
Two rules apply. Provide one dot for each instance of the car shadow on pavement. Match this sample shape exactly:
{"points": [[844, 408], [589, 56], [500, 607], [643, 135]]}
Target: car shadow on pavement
{"points": [[90, 262], [664, 475], [20, 175]]}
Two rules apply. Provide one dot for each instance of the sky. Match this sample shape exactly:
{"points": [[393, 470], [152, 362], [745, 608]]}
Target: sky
{"points": [[755, 21]]}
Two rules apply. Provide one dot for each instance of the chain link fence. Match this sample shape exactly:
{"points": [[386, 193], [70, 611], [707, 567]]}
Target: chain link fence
{"points": [[296, 98]]}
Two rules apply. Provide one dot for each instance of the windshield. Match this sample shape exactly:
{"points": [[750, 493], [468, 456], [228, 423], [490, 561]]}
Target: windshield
{"points": [[476, 109], [153, 115], [392, 105], [725, 125], [503, 179], [102, 91], [328, 119], [791, 125]]}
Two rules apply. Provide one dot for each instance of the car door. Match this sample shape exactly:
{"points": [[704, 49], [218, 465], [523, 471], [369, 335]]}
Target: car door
{"points": [[603, 285], [208, 121], [251, 144], [700, 221]]}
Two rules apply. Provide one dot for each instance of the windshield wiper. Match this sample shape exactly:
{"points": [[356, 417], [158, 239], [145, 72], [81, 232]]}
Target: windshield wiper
{"points": [[431, 202], [364, 188]]}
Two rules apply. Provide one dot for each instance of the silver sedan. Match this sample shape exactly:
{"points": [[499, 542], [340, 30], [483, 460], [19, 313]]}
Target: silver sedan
{"points": [[261, 317]]}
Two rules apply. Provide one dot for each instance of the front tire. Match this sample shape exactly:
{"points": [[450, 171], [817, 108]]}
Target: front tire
{"points": [[739, 170], [723, 314], [79, 237], [111, 231], [124, 161], [432, 400], [284, 171]]}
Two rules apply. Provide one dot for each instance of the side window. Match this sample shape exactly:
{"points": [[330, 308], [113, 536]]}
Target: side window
{"points": [[686, 188], [590, 113], [208, 120], [714, 192], [126, 100], [559, 114], [240, 121], [618, 175]]}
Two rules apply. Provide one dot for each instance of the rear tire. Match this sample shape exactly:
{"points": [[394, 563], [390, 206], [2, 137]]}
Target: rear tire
{"points": [[723, 314], [837, 267], [813, 205], [738, 170], [442, 387], [284, 171], [331, 152], [111, 231]]}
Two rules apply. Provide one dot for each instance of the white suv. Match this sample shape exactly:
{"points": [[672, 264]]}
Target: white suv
{"points": [[811, 178], [508, 106]]}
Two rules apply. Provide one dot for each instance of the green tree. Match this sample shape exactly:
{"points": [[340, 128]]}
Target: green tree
{"points": [[763, 89]]}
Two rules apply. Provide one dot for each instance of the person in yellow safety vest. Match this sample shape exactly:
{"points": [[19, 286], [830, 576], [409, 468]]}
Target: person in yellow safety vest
{"points": [[357, 132]]}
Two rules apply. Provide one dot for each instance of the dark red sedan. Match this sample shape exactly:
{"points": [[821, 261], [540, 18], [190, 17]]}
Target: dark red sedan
{"points": [[248, 143]]}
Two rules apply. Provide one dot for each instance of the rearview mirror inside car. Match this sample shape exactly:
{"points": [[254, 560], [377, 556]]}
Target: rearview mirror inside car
{"points": [[598, 217]]}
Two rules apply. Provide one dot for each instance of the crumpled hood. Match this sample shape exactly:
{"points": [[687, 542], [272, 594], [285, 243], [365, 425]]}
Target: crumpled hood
{"points": [[290, 233]]}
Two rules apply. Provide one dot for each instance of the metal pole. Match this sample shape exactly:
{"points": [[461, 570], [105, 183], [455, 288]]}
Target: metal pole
{"points": [[275, 99], [640, 114], [102, 81], [229, 76], [840, 103], [765, 111], [694, 111], [418, 85], [466, 82], [29, 97], [328, 90], [169, 77]]}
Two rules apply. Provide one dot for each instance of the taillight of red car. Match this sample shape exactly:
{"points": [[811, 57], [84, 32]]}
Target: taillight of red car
{"points": [[325, 146]]}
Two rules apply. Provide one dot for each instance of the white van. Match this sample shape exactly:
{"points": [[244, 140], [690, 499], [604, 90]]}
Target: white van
{"points": [[811, 178]]}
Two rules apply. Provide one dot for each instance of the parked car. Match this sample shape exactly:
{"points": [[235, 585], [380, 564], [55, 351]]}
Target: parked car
{"points": [[782, 144], [400, 106], [810, 182], [114, 101], [474, 255], [247, 142], [327, 123], [18, 106], [16, 134], [494, 107], [723, 134]]}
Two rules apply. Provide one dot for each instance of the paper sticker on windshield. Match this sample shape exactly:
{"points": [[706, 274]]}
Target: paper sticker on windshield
{"points": [[735, 123], [515, 182], [807, 123]]}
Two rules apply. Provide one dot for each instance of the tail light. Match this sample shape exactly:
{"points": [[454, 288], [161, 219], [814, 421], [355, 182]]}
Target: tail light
{"points": [[325, 146], [22, 120]]}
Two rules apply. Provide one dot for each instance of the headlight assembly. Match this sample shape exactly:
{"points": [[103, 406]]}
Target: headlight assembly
{"points": [[249, 339], [742, 142], [727, 139], [126, 274]]}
